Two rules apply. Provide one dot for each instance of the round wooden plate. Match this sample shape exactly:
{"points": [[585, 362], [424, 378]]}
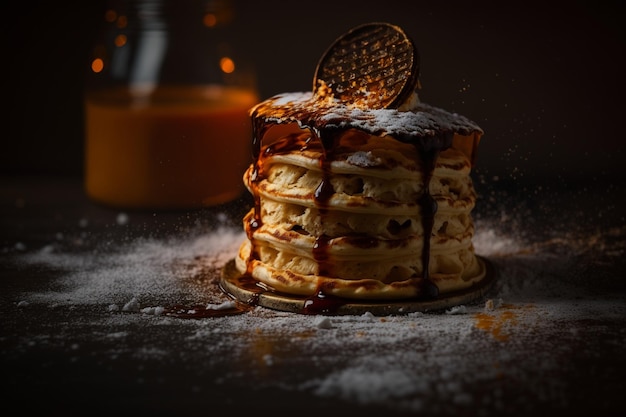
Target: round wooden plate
{"points": [[246, 290]]}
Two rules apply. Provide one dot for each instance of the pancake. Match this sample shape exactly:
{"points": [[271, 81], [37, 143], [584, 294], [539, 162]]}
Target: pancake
{"points": [[346, 216], [361, 191]]}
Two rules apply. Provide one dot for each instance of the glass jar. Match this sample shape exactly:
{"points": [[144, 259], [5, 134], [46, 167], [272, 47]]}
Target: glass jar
{"points": [[166, 106]]}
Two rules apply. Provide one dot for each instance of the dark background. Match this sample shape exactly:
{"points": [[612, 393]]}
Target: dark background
{"points": [[545, 81]]}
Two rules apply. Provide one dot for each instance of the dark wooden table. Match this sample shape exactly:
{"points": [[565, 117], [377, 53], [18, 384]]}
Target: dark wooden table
{"points": [[87, 291]]}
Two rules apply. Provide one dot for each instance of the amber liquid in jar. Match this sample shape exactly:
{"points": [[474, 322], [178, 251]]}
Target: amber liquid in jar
{"points": [[172, 148]]}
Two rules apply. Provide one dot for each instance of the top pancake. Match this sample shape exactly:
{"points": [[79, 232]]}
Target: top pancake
{"points": [[420, 124]]}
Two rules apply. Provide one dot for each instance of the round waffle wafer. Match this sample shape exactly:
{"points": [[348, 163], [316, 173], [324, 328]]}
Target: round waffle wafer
{"points": [[373, 66]]}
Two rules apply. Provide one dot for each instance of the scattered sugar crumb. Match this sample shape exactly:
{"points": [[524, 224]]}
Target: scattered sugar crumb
{"points": [[156, 311], [117, 335], [47, 249], [132, 305], [460, 309], [323, 322], [268, 359], [222, 306], [490, 304], [122, 219], [368, 316]]}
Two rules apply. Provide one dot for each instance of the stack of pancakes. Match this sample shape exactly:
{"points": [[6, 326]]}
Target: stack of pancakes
{"points": [[358, 203]]}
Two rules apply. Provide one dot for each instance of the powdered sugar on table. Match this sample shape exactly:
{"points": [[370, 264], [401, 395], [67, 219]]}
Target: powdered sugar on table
{"points": [[419, 362]]}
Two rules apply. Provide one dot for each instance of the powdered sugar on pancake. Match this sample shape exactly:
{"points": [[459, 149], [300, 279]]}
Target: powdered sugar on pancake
{"points": [[364, 159], [306, 109]]}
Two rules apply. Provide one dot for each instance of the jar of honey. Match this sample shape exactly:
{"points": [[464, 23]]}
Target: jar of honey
{"points": [[166, 106]]}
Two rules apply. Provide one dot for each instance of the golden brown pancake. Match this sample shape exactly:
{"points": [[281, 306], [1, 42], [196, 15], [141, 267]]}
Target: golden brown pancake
{"points": [[358, 203]]}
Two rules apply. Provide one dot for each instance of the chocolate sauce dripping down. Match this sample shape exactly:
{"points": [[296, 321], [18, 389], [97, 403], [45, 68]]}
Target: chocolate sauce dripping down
{"points": [[329, 138], [428, 209], [321, 303], [427, 147], [293, 142], [259, 129]]}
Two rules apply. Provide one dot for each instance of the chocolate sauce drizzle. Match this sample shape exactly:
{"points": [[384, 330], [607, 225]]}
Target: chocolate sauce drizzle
{"points": [[428, 209], [325, 132]]}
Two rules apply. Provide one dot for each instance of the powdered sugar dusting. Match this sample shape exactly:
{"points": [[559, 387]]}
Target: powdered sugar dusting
{"points": [[422, 121], [417, 362], [147, 268], [364, 159]]}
